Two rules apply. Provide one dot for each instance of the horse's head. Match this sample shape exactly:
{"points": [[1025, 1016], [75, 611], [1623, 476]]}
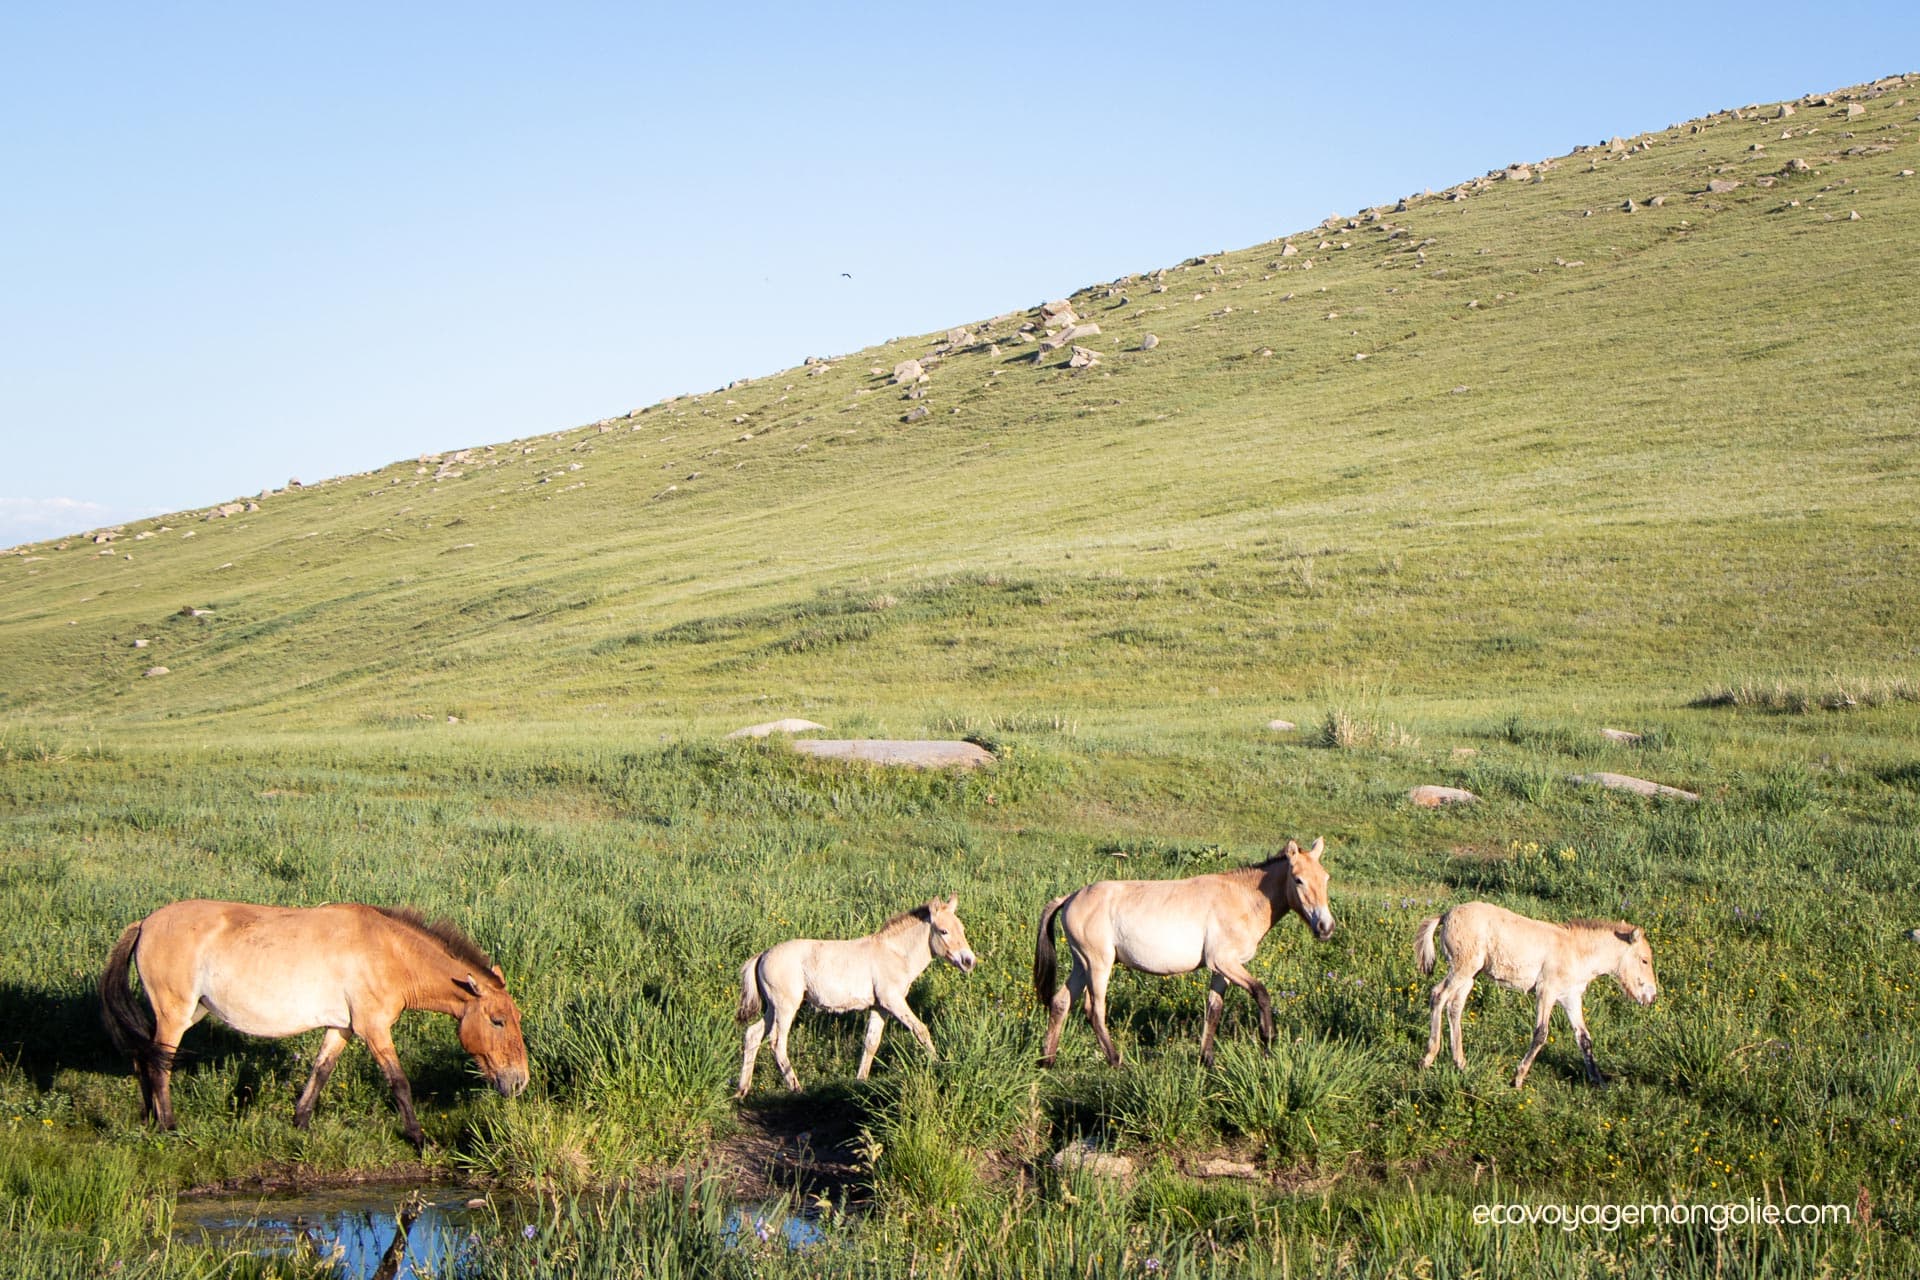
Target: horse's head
{"points": [[1307, 890], [947, 935], [490, 1031], [1635, 970]]}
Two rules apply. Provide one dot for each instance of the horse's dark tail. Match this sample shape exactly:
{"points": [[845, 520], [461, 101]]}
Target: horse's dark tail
{"points": [[128, 1020], [749, 991], [1045, 968]]}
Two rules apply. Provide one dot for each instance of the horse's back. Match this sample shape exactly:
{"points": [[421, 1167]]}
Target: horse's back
{"points": [[263, 970], [1510, 948], [1154, 926], [831, 973]]}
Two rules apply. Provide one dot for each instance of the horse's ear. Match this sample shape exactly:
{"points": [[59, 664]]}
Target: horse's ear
{"points": [[1293, 847], [1319, 847], [1630, 934], [468, 985], [495, 971], [953, 902]]}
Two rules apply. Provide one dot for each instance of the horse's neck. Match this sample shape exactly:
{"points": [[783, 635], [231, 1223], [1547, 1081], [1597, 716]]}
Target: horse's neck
{"points": [[914, 946], [1270, 883], [430, 974]]}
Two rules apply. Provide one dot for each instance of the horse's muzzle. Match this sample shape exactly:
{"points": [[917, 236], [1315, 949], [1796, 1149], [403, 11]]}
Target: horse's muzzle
{"points": [[511, 1083], [964, 961], [1322, 921]]}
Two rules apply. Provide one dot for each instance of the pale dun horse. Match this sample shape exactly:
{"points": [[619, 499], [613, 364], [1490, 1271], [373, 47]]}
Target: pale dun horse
{"points": [[871, 973], [1553, 962], [1177, 926], [279, 971]]}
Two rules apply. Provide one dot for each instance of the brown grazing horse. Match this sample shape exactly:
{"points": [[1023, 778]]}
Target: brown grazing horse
{"points": [[278, 971], [1177, 926]]}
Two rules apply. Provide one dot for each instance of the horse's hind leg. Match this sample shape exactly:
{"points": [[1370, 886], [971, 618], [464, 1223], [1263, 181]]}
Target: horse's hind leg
{"points": [[876, 1024], [1057, 1010], [331, 1047], [783, 1024], [169, 1027], [750, 1049], [1216, 1003], [1097, 1011], [1437, 1001]]}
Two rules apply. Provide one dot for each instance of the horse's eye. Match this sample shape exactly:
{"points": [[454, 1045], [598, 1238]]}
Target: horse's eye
{"points": [[498, 1023], [1298, 883]]}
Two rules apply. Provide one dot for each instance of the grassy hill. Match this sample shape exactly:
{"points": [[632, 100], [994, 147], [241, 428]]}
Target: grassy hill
{"points": [[1650, 467], [1642, 450]]}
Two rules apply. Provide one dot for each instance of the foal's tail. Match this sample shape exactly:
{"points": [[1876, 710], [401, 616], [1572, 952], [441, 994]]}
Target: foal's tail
{"points": [[749, 991], [1045, 968], [129, 1022], [1423, 944]]}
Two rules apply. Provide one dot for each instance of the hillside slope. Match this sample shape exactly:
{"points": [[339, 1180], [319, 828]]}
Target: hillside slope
{"points": [[1509, 429]]}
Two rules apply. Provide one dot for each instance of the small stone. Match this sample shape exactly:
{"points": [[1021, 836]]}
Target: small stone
{"points": [[1282, 726], [771, 727], [1784, 111], [1057, 313], [1619, 735], [1358, 355], [1721, 186], [1853, 215], [1638, 786], [1629, 207], [1465, 753], [1656, 202], [917, 414], [1797, 165], [1458, 391], [156, 671], [1855, 111], [1082, 358], [1433, 797], [1223, 1168], [1149, 342], [1087, 1158], [907, 371], [139, 644]]}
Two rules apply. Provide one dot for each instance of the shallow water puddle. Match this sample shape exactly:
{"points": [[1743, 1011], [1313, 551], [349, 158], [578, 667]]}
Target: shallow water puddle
{"points": [[355, 1226]]}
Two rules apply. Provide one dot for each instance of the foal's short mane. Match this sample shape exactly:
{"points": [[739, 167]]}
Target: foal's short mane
{"points": [[1601, 926], [445, 932], [917, 915]]}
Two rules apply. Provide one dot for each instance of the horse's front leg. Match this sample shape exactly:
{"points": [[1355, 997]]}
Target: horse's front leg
{"points": [[876, 1023], [331, 1047], [896, 1006], [1239, 975], [1541, 1020], [1578, 1018], [380, 1044]]}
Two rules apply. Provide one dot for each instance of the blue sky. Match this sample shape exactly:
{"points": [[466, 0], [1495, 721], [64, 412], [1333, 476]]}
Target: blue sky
{"points": [[240, 243]]}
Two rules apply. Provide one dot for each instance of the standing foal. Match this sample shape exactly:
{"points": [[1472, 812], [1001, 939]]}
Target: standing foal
{"points": [[1553, 961]]}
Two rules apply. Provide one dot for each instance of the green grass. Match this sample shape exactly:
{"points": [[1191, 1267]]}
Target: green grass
{"points": [[1674, 499]]}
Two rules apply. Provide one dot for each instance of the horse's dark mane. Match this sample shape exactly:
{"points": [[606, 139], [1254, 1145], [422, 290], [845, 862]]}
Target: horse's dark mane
{"points": [[1609, 926], [447, 933], [899, 922]]}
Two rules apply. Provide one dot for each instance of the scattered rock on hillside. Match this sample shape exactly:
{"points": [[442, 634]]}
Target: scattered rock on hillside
{"points": [[1282, 726], [1629, 207], [1721, 186], [1853, 215], [139, 644], [1855, 111], [1149, 342], [1619, 735], [226, 509], [916, 414], [1087, 1158], [156, 671], [1058, 313], [1082, 358], [914, 754], [1218, 1167], [1433, 797], [908, 371], [771, 727], [1622, 782], [1784, 111]]}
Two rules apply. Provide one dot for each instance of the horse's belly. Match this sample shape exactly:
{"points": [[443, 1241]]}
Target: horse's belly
{"points": [[1160, 955], [277, 1012], [839, 997]]}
